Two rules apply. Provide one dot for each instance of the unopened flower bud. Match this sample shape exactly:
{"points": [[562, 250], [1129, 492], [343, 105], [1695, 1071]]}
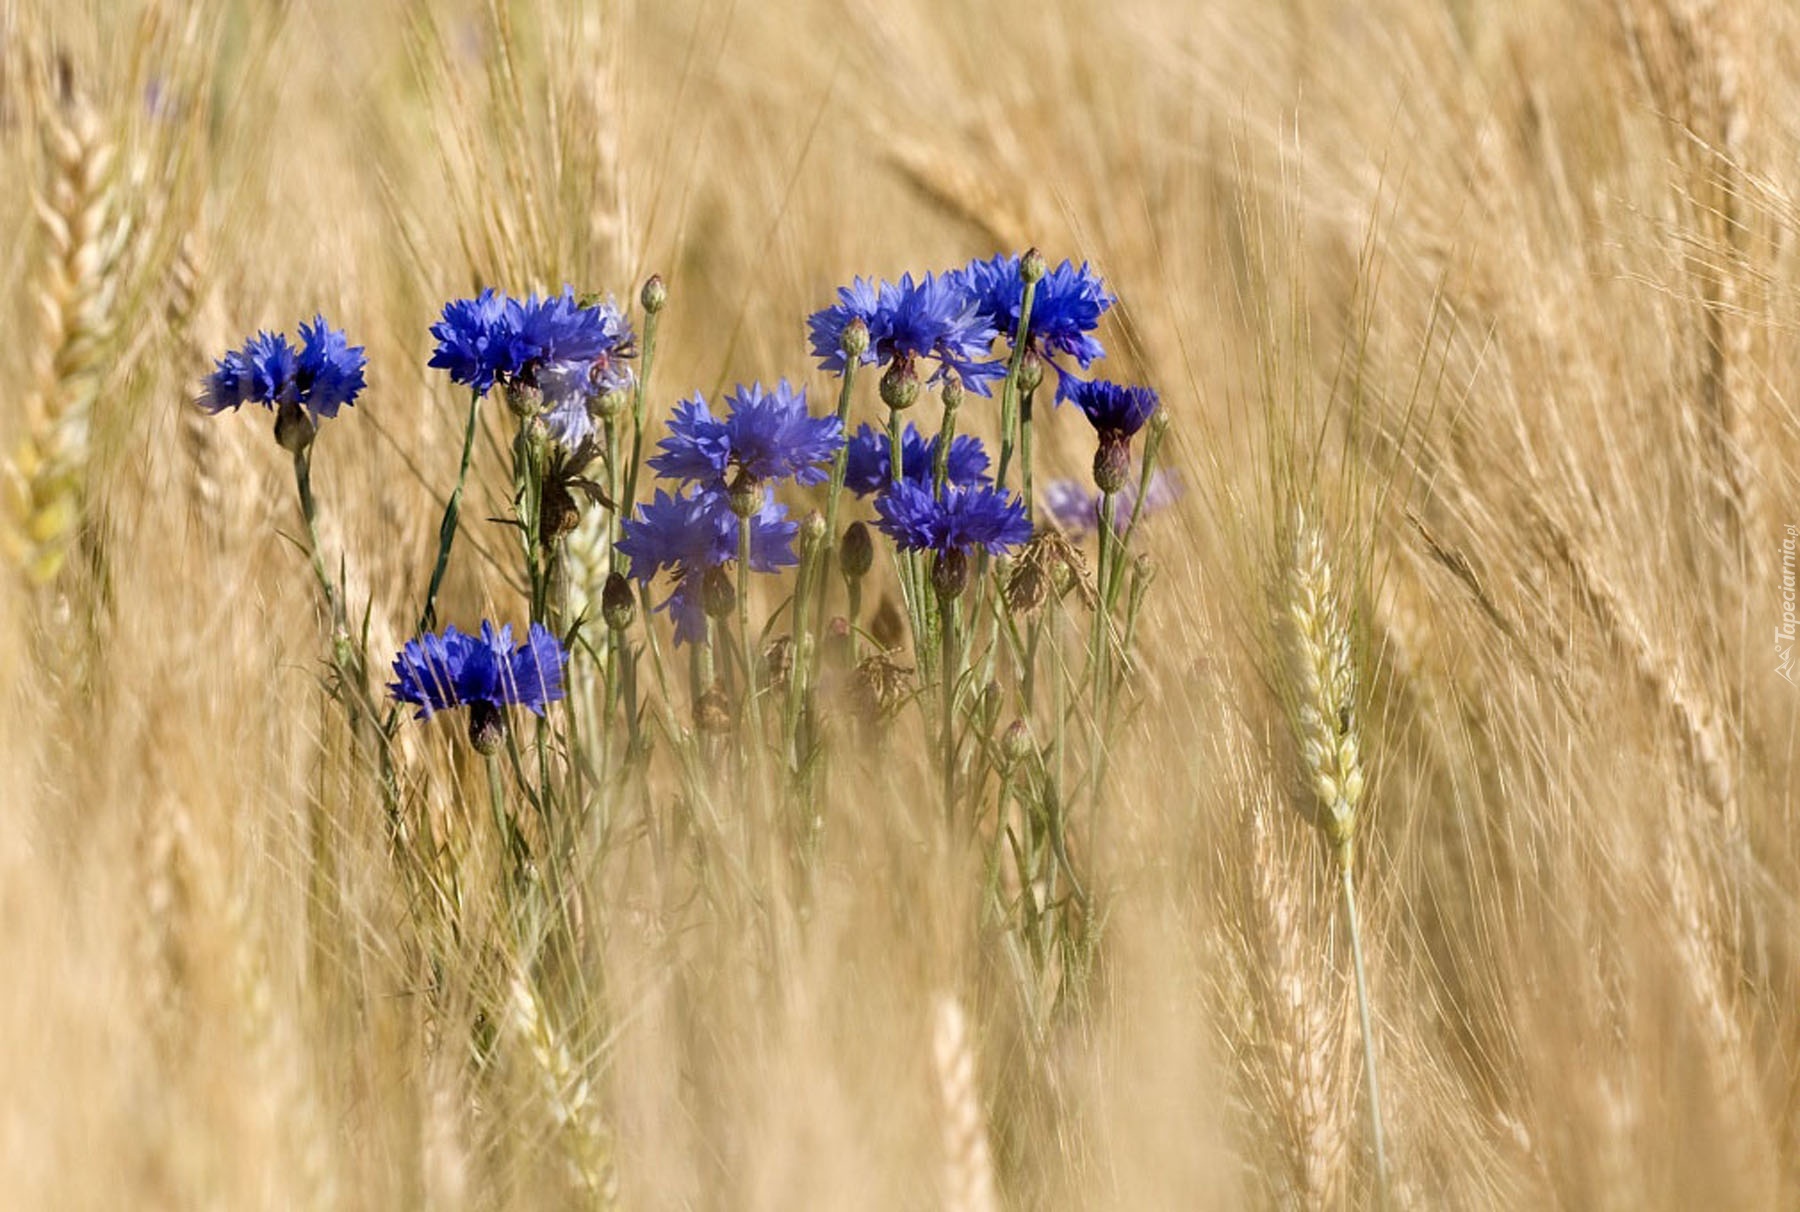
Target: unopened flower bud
{"points": [[617, 606], [951, 394], [812, 530], [1031, 371], [950, 574], [611, 404], [987, 707], [1032, 266], [654, 294], [858, 554], [854, 340], [1015, 742], [900, 385]]}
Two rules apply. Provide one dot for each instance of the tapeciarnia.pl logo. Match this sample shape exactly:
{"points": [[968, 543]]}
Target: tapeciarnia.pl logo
{"points": [[1784, 634]]}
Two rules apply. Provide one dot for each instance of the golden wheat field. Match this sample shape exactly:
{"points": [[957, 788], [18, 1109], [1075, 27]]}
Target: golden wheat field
{"points": [[1406, 822]]}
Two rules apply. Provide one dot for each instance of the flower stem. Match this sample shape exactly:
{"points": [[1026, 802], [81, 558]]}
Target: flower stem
{"points": [[950, 675], [637, 415], [839, 469], [1009, 394], [748, 641], [452, 511]]}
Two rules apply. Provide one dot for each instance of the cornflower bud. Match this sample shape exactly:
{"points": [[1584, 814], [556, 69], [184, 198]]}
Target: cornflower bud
{"points": [[858, 554], [617, 606], [654, 295]]}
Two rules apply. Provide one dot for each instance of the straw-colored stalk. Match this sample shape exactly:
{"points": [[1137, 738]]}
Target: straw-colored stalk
{"points": [[1304, 1022]]}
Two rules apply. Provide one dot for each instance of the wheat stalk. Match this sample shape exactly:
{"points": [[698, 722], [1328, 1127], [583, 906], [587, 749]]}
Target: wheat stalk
{"points": [[1305, 1029]]}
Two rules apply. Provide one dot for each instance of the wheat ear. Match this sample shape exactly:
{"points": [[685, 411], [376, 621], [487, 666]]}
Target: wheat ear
{"points": [[968, 1167], [568, 1092], [1322, 709], [75, 296]]}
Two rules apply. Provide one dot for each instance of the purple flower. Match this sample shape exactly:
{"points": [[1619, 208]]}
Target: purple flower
{"points": [[692, 532], [1116, 411], [479, 340], [979, 515], [569, 353], [460, 670], [768, 435], [870, 456], [1065, 308], [934, 318], [322, 376]]}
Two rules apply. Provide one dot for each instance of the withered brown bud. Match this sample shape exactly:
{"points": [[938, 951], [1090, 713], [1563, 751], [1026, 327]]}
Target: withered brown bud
{"points": [[712, 714], [558, 513]]}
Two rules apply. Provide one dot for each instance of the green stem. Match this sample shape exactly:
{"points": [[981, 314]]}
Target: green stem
{"points": [[839, 468], [1025, 454], [748, 641], [947, 737], [452, 511], [309, 512], [1348, 884], [637, 415], [1009, 394]]}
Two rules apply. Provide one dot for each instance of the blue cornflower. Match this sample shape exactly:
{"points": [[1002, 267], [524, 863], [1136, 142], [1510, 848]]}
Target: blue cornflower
{"points": [[977, 516], [695, 532], [768, 435], [1117, 413], [570, 354], [935, 318], [479, 340], [1065, 308], [869, 459], [322, 376], [484, 673]]}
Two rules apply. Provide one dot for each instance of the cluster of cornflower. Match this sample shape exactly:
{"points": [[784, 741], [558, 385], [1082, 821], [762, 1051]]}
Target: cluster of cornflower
{"points": [[564, 366]]}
